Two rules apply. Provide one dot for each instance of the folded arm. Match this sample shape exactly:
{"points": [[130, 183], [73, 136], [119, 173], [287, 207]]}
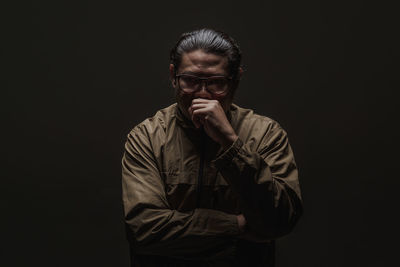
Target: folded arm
{"points": [[153, 227], [266, 179]]}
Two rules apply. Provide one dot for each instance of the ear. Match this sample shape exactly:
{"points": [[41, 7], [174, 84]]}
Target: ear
{"points": [[235, 83], [240, 73], [172, 74]]}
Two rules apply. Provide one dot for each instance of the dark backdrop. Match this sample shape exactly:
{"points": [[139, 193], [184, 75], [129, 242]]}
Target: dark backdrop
{"points": [[79, 76]]}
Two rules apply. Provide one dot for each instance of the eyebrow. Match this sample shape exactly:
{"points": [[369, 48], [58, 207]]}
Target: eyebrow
{"points": [[202, 74]]}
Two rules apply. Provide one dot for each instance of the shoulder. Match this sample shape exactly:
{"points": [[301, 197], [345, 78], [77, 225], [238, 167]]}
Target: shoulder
{"points": [[147, 137], [155, 125], [258, 131], [247, 120]]}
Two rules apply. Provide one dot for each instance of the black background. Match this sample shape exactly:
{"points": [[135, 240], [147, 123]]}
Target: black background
{"points": [[79, 76]]}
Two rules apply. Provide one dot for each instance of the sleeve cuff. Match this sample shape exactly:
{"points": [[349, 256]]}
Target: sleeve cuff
{"points": [[234, 225], [227, 156]]}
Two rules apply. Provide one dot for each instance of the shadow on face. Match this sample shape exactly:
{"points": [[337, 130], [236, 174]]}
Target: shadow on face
{"points": [[202, 64]]}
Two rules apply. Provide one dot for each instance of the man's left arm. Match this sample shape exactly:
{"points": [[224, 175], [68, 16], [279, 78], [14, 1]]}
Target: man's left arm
{"points": [[266, 180]]}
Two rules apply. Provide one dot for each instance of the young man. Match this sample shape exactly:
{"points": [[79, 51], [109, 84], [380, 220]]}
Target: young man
{"points": [[205, 182]]}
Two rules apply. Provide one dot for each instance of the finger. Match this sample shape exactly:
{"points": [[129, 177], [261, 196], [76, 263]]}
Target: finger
{"points": [[201, 111], [197, 121], [192, 108], [201, 100], [210, 103], [198, 106], [203, 116]]}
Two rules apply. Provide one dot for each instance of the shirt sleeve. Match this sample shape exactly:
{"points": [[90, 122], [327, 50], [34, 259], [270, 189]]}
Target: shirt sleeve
{"points": [[153, 228], [266, 180]]}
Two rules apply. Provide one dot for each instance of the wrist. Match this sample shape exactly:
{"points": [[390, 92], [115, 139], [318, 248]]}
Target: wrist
{"points": [[229, 141], [241, 220]]}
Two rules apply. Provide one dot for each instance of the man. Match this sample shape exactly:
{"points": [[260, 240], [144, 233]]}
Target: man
{"points": [[205, 182]]}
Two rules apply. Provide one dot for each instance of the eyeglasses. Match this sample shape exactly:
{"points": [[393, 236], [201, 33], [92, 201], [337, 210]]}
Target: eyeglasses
{"points": [[213, 84]]}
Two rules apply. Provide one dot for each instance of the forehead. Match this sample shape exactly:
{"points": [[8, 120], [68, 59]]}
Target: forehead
{"points": [[201, 62]]}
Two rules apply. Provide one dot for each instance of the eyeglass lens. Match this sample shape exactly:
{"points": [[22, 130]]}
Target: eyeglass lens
{"points": [[213, 84]]}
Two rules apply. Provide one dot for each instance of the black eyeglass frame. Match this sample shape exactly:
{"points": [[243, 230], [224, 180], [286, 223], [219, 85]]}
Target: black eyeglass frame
{"points": [[204, 80]]}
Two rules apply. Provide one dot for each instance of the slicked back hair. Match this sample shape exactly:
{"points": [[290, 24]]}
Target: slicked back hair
{"points": [[210, 41]]}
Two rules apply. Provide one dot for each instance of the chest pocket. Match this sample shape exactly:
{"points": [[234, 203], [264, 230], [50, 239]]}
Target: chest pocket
{"points": [[180, 189]]}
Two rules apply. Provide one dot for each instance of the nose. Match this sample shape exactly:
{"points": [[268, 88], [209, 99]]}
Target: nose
{"points": [[202, 92]]}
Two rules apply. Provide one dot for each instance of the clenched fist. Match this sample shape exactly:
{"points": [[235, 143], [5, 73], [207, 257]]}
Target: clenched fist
{"points": [[210, 115]]}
